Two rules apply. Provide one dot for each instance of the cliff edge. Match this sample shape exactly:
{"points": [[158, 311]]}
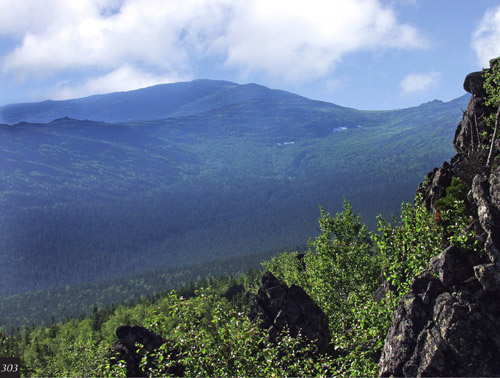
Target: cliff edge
{"points": [[449, 322]]}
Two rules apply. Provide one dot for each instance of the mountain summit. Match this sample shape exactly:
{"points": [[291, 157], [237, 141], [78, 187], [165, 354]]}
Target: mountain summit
{"points": [[206, 170], [157, 102]]}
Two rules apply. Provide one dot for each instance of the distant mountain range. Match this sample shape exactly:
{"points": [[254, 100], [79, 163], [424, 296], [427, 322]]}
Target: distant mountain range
{"points": [[177, 174], [158, 102]]}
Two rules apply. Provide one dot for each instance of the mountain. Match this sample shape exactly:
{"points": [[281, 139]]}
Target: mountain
{"points": [[157, 102], [239, 170], [417, 298]]}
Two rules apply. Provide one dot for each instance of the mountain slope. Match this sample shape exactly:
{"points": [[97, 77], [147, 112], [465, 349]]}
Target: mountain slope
{"points": [[157, 102], [85, 201]]}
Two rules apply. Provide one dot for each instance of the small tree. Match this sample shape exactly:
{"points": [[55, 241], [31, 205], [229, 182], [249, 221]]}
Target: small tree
{"points": [[340, 268], [492, 87]]}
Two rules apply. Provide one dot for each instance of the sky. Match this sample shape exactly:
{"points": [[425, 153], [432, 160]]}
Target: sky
{"points": [[365, 54]]}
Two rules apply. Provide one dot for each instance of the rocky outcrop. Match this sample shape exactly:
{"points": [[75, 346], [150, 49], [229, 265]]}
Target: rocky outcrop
{"points": [[277, 307], [438, 180], [234, 291], [134, 342], [468, 143], [449, 322]]}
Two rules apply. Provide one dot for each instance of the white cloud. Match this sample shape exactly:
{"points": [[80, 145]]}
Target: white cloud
{"points": [[123, 78], [289, 40], [153, 32], [419, 82], [299, 40], [486, 39]]}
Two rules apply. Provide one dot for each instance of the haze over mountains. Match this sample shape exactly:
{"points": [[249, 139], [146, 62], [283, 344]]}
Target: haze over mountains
{"points": [[158, 102], [191, 172]]}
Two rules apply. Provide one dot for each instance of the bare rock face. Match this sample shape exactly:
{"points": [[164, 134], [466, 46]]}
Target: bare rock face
{"points": [[473, 83], [438, 180], [449, 322], [485, 194], [133, 343], [277, 307]]}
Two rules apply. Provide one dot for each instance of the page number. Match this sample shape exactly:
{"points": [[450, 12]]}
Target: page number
{"points": [[10, 367]]}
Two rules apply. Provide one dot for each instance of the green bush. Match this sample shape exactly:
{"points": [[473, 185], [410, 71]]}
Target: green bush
{"points": [[211, 336], [406, 249], [217, 340]]}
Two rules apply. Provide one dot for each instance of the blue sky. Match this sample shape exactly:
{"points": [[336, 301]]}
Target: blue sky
{"points": [[366, 54]]}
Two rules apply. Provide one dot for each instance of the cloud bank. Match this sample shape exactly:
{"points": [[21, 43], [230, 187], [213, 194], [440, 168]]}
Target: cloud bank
{"points": [[122, 44], [486, 39], [419, 82]]}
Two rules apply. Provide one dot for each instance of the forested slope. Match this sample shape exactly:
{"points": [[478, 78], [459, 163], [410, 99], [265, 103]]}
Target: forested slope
{"points": [[435, 270], [85, 201]]}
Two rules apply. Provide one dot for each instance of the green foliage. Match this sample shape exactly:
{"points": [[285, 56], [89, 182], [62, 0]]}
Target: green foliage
{"points": [[455, 192], [492, 85], [341, 271], [95, 201], [217, 340], [211, 336], [453, 216], [80, 300], [407, 249], [339, 267]]}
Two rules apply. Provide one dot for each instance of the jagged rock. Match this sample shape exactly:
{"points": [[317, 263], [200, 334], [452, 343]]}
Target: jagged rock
{"points": [[233, 291], [125, 349], [277, 307], [449, 322], [488, 213], [467, 136], [473, 83], [438, 181], [439, 332], [489, 276], [495, 188], [453, 266]]}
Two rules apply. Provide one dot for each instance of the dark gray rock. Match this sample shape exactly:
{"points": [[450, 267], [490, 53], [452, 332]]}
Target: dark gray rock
{"points": [[437, 182], [488, 213], [494, 180], [488, 276], [277, 307], [125, 349], [234, 291], [449, 322], [473, 83], [453, 266], [440, 332]]}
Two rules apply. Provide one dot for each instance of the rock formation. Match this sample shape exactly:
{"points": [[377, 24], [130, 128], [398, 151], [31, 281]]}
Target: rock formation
{"points": [[277, 307], [449, 322], [133, 343]]}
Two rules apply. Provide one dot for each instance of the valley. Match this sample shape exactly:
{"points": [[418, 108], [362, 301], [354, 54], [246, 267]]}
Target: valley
{"points": [[229, 176]]}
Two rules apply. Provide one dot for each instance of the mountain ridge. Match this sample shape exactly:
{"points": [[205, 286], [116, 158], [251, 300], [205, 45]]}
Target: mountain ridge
{"points": [[156, 190], [156, 102]]}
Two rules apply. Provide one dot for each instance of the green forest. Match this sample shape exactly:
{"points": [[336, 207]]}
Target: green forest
{"points": [[151, 223], [212, 335], [89, 203]]}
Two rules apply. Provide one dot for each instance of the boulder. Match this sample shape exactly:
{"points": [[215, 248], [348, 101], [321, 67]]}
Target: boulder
{"points": [[489, 276], [441, 332], [277, 307], [473, 83], [234, 291], [488, 213], [437, 182], [454, 266], [127, 349]]}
